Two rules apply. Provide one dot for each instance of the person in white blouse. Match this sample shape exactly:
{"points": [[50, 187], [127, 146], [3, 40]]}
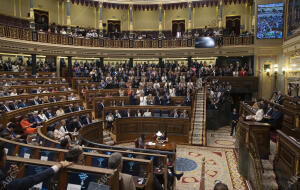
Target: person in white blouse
{"points": [[190, 85], [172, 91], [143, 100], [259, 115], [138, 114], [42, 116], [164, 78], [14, 92], [117, 114], [121, 92], [139, 91], [60, 112], [147, 113], [156, 85]]}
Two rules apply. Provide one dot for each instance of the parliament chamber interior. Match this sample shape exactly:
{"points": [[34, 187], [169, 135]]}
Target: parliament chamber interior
{"points": [[150, 94]]}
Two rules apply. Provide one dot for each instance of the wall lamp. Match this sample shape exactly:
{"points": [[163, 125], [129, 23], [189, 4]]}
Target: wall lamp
{"points": [[283, 70], [268, 72]]}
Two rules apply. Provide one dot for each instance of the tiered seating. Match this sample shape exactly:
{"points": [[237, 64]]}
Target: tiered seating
{"points": [[139, 164]]}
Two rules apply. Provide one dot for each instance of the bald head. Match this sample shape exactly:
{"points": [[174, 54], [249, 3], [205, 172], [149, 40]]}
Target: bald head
{"points": [[115, 161]]}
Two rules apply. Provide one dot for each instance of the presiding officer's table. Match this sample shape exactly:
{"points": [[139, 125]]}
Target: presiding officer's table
{"points": [[128, 129]]}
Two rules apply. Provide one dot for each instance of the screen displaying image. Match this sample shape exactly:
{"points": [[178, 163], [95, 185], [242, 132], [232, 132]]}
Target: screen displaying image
{"points": [[270, 21], [204, 42]]}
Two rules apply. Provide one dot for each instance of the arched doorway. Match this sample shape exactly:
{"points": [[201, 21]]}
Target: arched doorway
{"points": [[233, 25], [178, 28]]}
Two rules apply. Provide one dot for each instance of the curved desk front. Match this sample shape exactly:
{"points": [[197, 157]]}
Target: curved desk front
{"points": [[128, 129]]}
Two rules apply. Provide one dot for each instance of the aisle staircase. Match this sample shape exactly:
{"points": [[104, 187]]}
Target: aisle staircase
{"points": [[107, 139], [269, 178], [199, 119]]}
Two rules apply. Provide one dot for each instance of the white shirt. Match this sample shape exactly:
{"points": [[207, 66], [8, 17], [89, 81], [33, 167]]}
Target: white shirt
{"points": [[156, 85], [13, 94], [143, 101], [139, 92], [147, 114], [43, 117], [259, 115], [64, 130], [172, 92]]}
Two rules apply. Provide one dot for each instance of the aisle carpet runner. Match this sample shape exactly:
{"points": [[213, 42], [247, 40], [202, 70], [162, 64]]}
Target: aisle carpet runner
{"points": [[220, 164]]}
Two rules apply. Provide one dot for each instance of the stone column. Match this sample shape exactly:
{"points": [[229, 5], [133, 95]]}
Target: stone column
{"points": [[33, 64], [160, 20], [31, 14], [100, 19], [253, 16], [70, 69], [190, 19], [220, 15], [131, 21], [69, 15]]}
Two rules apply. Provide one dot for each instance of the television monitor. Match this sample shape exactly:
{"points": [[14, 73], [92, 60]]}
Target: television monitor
{"points": [[270, 21], [204, 42]]}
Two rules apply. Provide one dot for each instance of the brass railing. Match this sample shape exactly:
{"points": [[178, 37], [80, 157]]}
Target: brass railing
{"points": [[45, 37]]}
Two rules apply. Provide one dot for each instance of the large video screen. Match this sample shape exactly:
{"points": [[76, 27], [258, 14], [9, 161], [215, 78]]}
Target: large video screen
{"points": [[204, 42], [270, 21]]}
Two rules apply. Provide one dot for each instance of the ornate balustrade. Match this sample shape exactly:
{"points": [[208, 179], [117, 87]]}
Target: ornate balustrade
{"points": [[29, 35]]}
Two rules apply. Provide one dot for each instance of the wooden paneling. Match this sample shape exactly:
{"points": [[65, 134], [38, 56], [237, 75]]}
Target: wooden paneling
{"points": [[261, 133], [128, 129]]}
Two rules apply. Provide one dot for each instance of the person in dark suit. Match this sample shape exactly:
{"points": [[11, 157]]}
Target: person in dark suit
{"points": [[86, 119], [269, 110], [275, 116], [23, 104], [127, 113], [77, 107], [235, 119], [100, 108], [9, 182], [48, 114], [132, 98], [279, 98], [14, 105], [36, 101], [157, 99], [69, 109], [5, 107], [188, 100]]}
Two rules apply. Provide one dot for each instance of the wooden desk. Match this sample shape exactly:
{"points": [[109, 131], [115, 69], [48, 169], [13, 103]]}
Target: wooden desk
{"points": [[128, 129], [171, 147], [287, 163], [252, 134]]}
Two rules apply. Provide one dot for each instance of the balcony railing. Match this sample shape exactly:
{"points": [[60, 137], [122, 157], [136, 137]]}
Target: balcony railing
{"points": [[29, 35]]}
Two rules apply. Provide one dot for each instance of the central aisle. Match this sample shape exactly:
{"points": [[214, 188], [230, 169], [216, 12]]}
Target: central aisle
{"points": [[220, 164]]}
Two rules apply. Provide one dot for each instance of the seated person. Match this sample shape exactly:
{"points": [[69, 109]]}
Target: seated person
{"points": [[109, 119], [26, 126], [28, 181], [275, 116], [163, 137], [75, 155], [269, 110], [259, 115], [140, 142], [184, 114], [147, 113], [60, 112], [35, 120], [9, 132], [125, 180]]}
